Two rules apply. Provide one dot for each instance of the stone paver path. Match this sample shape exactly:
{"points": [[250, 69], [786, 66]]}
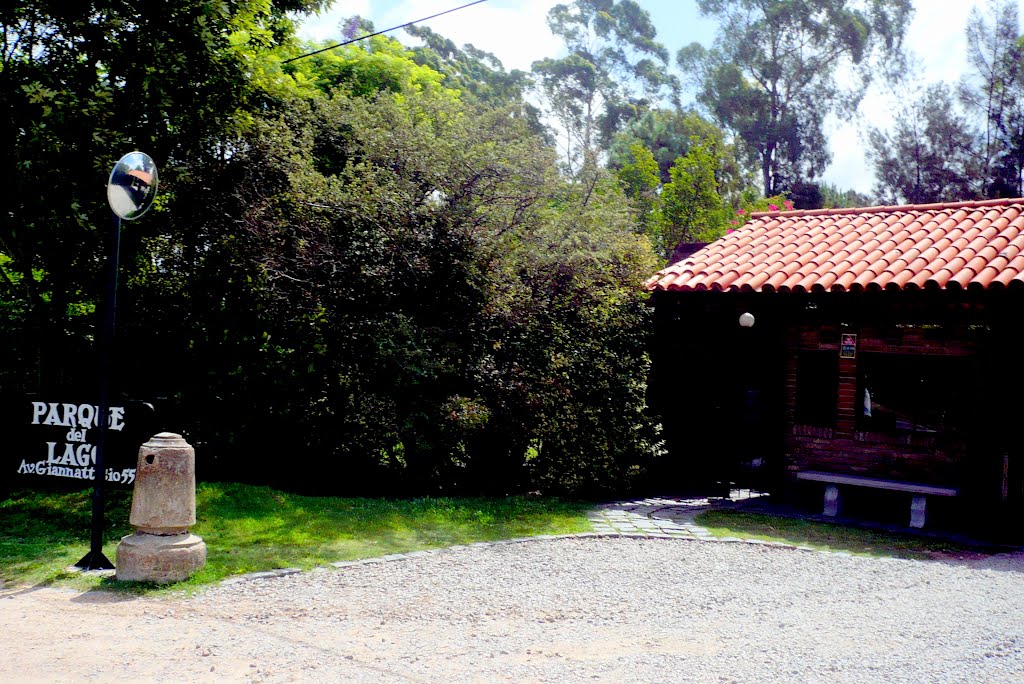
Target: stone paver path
{"points": [[659, 517]]}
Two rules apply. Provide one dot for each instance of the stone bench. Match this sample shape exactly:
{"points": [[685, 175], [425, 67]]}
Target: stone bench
{"points": [[917, 503]]}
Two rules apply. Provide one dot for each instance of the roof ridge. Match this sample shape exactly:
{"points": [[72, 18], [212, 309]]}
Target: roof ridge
{"points": [[971, 204]]}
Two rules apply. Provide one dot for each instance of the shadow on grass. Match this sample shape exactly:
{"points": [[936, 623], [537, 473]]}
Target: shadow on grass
{"points": [[837, 537], [42, 534], [256, 528]]}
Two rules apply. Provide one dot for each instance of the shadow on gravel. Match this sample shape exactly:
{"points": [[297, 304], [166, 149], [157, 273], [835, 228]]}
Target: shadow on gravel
{"points": [[760, 516], [101, 596], [1012, 561]]}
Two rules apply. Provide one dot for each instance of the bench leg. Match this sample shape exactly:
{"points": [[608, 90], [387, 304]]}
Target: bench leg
{"points": [[917, 511], [831, 500]]}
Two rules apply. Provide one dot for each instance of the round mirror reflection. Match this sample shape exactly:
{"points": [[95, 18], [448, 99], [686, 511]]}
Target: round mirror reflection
{"points": [[132, 185]]}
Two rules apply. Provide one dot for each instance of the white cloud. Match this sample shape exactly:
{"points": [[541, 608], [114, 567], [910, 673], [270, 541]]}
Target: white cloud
{"points": [[326, 25], [515, 32], [936, 37]]}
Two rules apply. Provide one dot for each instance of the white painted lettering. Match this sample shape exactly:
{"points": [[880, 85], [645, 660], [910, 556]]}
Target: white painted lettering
{"points": [[53, 417], [116, 418], [86, 416], [69, 455], [83, 454]]}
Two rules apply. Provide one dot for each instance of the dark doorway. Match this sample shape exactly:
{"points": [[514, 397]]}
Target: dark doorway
{"points": [[719, 389], [753, 432]]}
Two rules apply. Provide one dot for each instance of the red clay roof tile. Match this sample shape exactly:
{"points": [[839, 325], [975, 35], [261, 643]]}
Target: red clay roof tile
{"points": [[976, 244], [901, 279], [1004, 277], [976, 265], [827, 280], [963, 278]]}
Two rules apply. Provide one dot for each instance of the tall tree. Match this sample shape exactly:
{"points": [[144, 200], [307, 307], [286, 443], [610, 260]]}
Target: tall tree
{"points": [[478, 74], [993, 92], [771, 76], [469, 69], [930, 154], [614, 70]]}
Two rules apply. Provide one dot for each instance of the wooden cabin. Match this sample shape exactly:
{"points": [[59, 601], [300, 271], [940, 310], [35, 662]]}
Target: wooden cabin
{"points": [[851, 356]]}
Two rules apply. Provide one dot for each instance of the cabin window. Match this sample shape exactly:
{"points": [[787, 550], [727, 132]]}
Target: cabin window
{"points": [[817, 383], [911, 393]]}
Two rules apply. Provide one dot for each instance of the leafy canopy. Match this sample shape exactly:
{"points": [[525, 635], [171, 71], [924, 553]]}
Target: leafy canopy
{"points": [[771, 77], [82, 83], [615, 69]]}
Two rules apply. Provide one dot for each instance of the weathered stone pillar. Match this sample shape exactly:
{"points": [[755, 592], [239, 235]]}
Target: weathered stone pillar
{"points": [[163, 507]]}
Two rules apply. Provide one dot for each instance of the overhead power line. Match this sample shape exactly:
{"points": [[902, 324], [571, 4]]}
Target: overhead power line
{"points": [[387, 30]]}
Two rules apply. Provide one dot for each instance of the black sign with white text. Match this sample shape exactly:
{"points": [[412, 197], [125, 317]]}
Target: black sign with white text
{"points": [[57, 441]]}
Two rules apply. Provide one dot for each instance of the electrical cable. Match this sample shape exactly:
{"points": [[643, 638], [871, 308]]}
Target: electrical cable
{"points": [[393, 28]]}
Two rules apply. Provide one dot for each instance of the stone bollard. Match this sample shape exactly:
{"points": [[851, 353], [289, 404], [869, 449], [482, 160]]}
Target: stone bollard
{"points": [[163, 507]]}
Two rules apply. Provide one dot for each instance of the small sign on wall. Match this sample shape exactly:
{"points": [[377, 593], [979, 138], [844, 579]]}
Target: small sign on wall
{"points": [[848, 346]]}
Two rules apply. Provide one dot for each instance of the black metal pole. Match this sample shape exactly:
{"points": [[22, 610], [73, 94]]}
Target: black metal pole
{"points": [[95, 560]]}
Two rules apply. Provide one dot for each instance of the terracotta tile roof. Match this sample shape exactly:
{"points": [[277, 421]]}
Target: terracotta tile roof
{"points": [[941, 246]]}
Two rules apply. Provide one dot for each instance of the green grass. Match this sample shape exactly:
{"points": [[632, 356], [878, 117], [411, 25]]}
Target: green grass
{"points": [[825, 536], [250, 528]]}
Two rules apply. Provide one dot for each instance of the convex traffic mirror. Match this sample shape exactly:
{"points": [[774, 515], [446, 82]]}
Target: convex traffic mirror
{"points": [[132, 185]]}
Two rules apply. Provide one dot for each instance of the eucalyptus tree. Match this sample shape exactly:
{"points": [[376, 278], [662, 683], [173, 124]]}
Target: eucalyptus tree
{"points": [[470, 69], [773, 74], [614, 70]]}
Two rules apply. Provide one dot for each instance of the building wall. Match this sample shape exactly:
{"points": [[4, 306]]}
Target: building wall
{"points": [[849, 444], [703, 362]]}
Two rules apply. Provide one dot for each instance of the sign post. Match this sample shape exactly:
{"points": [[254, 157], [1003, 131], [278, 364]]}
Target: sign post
{"points": [[130, 192]]}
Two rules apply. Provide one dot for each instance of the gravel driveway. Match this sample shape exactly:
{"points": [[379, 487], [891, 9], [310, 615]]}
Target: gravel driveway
{"points": [[565, 610]]}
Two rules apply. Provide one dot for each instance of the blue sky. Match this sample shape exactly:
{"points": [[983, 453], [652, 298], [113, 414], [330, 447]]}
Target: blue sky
{"points": [[516, 32]]}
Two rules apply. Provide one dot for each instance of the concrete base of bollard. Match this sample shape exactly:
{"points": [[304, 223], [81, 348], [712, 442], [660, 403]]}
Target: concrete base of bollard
{"points": [[157, 558]]}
